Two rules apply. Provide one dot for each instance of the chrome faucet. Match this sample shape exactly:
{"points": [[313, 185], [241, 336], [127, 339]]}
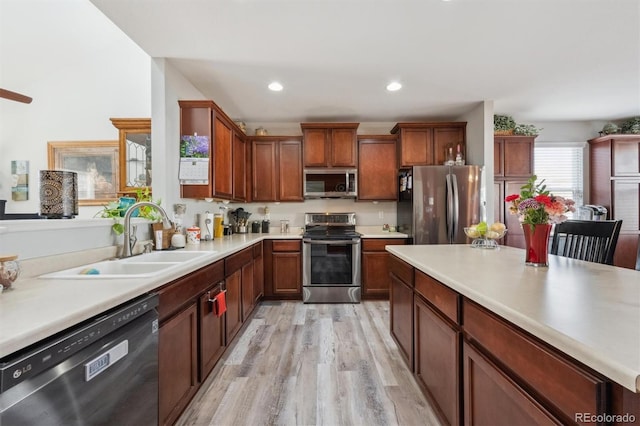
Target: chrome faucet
{"points": [[129, 239]]}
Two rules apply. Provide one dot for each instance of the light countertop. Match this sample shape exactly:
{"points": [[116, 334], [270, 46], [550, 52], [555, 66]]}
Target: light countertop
{"points": [[587, 310], [35, 308]]}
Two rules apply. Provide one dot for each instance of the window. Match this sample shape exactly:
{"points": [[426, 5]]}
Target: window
{"points": [[561, 165]]}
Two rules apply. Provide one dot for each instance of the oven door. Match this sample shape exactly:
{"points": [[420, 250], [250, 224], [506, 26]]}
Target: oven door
{"points": [[331, 262]]}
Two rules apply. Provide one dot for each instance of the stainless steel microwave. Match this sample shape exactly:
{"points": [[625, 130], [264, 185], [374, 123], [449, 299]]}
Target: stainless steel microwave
{"points": [[330, 183]]}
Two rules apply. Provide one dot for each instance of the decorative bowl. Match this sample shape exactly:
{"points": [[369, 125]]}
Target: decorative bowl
{"points": [[485, 240]]}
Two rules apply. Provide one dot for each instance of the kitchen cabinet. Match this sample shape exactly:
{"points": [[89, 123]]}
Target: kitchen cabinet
{"points": [[512, 167], [258, 272], [401, 307], [378, 169], [437, 339], [330, 144], [283, 269], [179, 340], [239, 283], [615, 183], [428, 144], [213, 340], [227, 171], [276, 168], [375, 266]]}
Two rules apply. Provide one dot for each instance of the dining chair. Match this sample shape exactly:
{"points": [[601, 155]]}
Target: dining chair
{"points": [[593, 241]]}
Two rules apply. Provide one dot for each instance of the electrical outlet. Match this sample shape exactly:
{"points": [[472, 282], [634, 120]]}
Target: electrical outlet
{"points": [[380, 214]]}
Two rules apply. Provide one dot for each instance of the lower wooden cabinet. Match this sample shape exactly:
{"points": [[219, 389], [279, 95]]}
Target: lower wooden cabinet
{"points": [[401, 314], [375, 266], [283, 269], [177, 363], [436, 355], [233, 317], [248, 297], [213, 339], [492, 398], [258, 272]]}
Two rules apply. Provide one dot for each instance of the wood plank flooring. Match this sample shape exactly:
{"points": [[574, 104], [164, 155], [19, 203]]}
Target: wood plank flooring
{"points": [[314, 364]]}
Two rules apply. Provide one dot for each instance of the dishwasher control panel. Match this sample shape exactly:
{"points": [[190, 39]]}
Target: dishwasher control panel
{"points": [[17, 368]]}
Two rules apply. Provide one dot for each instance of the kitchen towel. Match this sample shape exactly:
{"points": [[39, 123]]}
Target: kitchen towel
{"points": [[220, 304]]}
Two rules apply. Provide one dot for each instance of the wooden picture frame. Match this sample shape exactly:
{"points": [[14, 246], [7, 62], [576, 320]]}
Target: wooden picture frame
{"points": [[96, 163]]}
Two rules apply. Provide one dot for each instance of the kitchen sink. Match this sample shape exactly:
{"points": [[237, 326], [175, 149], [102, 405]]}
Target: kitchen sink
{"points": [[166, 256], [112, 269]]}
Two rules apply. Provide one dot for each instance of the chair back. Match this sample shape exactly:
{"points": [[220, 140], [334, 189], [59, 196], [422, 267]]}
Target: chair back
{"points": [[593, 241]]}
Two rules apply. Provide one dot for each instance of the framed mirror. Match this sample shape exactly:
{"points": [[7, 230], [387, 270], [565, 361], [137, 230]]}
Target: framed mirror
{"points": [[134, 153]]}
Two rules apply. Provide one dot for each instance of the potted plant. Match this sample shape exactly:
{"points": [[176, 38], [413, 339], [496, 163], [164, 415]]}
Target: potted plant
{"points": [[503, 125], [526, 130], [116, 209]]}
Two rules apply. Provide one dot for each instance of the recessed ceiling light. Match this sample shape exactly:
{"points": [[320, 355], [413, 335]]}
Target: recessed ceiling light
{"points": [[393, 86], [275, 86]]}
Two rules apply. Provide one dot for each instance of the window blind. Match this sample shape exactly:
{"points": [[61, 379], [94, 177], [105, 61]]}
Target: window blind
{"points": [[561, 165]]}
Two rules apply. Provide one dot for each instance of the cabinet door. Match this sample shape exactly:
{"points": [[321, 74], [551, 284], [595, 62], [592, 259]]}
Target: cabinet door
{"points": [[377, 171], [248, 297], [177, 363], [626, 157], [223, 159], [287, 274], [401, 315], [290, 170], [258, 278], [498, 157], [515, 235], [375, 275], [196, 118], [233, 316], [316, 147], [447, 138], [239, 168], [437, 360], [212, 335], [343, 148], [416, 147], [492, 398], [265, 173], [518, 157]]}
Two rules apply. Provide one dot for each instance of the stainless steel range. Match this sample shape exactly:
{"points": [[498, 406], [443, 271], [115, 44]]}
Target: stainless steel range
{"points": [[330, 258]]}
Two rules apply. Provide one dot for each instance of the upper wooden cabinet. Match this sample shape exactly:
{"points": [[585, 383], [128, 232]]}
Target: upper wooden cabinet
{"points": [[330, 144], [377, 170], [513, 156], [428, 144], [227, 167], [134, 153], [615, 184], [276, 164]]}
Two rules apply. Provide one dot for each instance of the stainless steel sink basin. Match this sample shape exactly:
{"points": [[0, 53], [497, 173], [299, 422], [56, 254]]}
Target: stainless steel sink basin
{"points": [[112, 269], [166, 256]]}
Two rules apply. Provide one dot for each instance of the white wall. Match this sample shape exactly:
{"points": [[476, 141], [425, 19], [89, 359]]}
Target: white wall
{"points": [[80, 70]]}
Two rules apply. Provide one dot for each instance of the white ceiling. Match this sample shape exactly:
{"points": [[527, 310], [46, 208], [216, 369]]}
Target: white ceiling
{"points": [[538, 60]]}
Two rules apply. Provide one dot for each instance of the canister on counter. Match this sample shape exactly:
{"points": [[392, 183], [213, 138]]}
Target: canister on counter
{"points": [[193, 235], [217, 225], [255, 227], [265, 226]]}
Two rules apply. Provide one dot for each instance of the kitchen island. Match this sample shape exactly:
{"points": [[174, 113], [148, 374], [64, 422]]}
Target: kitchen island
{"points": [[514, 318]]}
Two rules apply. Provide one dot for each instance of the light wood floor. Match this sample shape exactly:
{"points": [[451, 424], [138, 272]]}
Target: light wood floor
{"points": [[314, 364]]}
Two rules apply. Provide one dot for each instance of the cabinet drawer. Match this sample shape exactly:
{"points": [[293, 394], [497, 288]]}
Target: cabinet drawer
{"points": [[377, 244], [401, 269], [568, 387], [237, 261], [257, 250], [178, 293], [286, 245], [440, 296]]}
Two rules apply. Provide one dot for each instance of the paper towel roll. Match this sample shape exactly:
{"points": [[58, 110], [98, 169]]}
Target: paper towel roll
{"points": [[206, 226]]}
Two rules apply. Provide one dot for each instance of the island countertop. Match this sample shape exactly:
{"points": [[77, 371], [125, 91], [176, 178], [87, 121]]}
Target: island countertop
{"points": [[589, 311]]}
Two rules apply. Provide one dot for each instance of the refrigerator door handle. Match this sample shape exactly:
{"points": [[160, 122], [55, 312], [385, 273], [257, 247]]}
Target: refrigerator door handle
{"points": [[449, 208], [456, 209]]}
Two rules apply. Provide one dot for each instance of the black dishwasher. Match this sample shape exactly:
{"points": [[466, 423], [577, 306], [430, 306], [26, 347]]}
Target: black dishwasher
{"points": [[101, 372]]}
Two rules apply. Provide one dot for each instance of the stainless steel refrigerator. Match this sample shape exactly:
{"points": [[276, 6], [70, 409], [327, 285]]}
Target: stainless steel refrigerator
{"points": [[437, 202]]}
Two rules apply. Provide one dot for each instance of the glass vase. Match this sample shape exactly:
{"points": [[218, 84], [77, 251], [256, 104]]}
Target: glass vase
{"points": [[536, 238]]}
